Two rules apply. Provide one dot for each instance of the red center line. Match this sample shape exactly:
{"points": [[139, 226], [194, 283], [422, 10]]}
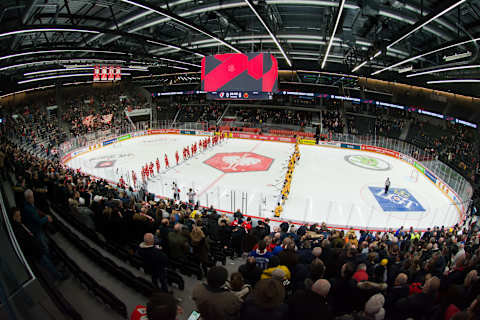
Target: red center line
{"points": [[214, 182]]}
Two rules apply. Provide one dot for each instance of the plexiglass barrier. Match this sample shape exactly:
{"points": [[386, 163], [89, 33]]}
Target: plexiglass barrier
{"points": [[261, 204]]}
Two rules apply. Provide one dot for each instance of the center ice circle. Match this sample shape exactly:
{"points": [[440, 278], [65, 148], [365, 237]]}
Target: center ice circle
{"points": [[368, 162]]}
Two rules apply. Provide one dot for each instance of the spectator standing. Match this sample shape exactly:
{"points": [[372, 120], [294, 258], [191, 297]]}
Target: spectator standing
{"points": [[266, 302], [155, 261], [33, 221], [213, 300]]}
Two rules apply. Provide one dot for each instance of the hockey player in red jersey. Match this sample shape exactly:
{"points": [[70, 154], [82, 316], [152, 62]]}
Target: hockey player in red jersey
{"points": [[121, 183], [150, 169], [166, 161], [177, 157], [158, 165], [147, 172]]}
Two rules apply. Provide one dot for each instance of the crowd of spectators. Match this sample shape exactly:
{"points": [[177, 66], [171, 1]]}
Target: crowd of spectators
{"points": [[332, 120], [291, 271], [288, 271]]}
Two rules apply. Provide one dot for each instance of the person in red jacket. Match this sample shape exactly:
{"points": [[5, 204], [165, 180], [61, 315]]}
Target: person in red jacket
{"points": [[247, 225], [177, 157], [158, 165]]}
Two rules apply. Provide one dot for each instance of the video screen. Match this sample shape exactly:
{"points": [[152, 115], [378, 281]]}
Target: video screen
{"points": [[250, 72]]}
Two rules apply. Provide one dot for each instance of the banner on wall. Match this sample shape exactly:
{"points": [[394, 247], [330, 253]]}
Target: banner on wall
{"points": [[261, 137], [125, 137], [381, 150], [107, 142], [187, 132], [349, 146], [419, 167], [307, 141], [431, 176]]}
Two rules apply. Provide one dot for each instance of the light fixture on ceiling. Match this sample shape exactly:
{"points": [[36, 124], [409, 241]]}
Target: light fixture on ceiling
{"points": [[359, 66], [182, 62], [406, 69], [453, 6], [425, 54], [457, 56], [57, 51], [16, 32], [146, 7], [269, 31], [62, 76], [339, 15], [443, 70], [454, 81]]}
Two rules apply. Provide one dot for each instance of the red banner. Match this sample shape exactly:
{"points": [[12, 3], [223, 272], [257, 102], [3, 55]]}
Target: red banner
{"points": [[111, 73], [96, 73], [163, 131], [381, 150], [104, 76], [261, 137], [118, 73]]}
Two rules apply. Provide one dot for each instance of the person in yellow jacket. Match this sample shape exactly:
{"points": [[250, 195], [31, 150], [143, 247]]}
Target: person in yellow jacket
{"points": [[278, 210], [273, 265]]}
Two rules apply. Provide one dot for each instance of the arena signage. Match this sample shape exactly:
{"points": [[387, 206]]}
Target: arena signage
{"points": [[187, 132], [307, 141], [406, 158], [139, 112], [107, 142], [125, 137], [381, 150], [261, 137], [350, 146], [419, 167], [430, 175]]}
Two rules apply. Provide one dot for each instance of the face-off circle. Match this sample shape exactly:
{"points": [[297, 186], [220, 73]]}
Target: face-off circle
{"points": [[239, 162], [368, 162]]}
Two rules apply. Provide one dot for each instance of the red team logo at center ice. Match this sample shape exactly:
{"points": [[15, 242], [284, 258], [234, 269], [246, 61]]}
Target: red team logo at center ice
{"points": [[239, 162]]}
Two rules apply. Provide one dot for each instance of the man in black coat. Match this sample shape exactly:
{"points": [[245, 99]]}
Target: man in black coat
{"points": [[310, 303], [155, 261]]}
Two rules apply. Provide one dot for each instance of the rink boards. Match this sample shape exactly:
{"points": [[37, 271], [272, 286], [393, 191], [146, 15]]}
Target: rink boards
{"points": [[437, 182]]}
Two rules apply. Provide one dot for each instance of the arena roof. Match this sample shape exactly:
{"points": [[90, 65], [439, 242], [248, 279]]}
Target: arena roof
{"points": [[428, 43]]}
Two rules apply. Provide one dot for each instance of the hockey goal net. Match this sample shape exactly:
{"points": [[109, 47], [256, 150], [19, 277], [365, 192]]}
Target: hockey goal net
{"points": [[414, 175]]}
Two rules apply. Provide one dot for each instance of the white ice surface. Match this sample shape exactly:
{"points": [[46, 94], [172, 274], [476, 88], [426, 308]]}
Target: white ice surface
{"points": [[324, 187]]}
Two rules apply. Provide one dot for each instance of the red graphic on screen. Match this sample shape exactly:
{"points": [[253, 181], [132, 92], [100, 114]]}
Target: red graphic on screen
{"points": [[240, 72]]}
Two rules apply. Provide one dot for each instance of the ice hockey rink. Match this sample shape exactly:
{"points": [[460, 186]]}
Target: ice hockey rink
{"points": [[341, 187]]}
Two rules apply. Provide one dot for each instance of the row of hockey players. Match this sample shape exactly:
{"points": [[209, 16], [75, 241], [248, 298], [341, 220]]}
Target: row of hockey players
{"points": [[294, 158], [148, 170]]}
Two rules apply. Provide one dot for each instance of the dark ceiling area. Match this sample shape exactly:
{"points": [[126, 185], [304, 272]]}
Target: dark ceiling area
{"points": [[432, 44]]}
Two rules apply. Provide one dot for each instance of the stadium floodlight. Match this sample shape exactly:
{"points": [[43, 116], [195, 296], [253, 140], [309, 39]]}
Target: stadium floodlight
{"points": [[12, 33], [55, 70], [425, 54], [359, 66], [454, 81], [270, 31], [57, 51], [443, 70], [180, 21], [178, 61], [339, 15], [453, 6], [141, 69], [62, 76]]}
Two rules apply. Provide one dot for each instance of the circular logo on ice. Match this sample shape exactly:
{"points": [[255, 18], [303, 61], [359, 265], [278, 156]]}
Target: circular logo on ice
{"points": [[239, 162], [367, 162]]}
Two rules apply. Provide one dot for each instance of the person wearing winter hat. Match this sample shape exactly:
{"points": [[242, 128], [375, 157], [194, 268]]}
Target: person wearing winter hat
{"points": [[274, 268], [213, 299], [266, 302]]}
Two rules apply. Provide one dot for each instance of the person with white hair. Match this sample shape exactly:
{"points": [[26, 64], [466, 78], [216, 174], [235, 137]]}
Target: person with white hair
{"points": [[155, 261], [35, 221], [312, 303]]}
